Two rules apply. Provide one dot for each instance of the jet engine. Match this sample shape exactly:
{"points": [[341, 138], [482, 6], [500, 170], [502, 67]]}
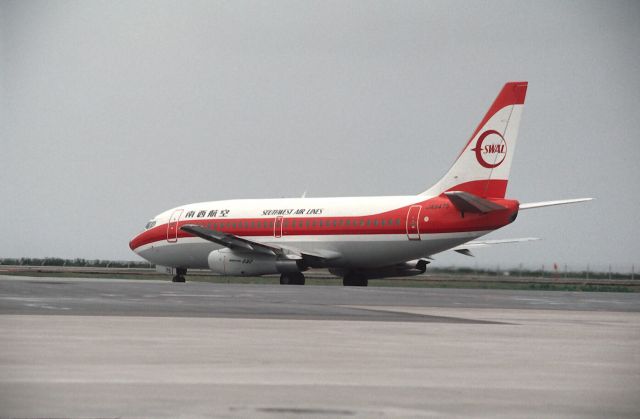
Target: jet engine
{"points": [[228, 262]]}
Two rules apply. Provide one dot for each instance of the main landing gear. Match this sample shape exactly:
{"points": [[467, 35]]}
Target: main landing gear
{"points": [[294, 278], [355, 279], [179, 276]]}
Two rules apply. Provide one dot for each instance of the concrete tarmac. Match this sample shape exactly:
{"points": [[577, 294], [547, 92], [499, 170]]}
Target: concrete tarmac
{"points": [[118, 348]]}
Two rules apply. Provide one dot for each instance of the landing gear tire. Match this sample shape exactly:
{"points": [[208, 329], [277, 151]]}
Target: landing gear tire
{"points": [[354, 279], [179, 276], [292, 279]]}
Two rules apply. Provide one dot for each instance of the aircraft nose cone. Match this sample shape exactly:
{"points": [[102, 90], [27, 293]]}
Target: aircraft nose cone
{"points": [[133, 243]]}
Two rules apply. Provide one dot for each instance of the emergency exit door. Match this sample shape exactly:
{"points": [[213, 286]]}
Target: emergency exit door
{"points": [[277, 227], [413, 221]]}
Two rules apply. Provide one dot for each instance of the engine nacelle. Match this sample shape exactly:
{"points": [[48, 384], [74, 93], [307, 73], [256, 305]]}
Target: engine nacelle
{"points": [[227, 262]]}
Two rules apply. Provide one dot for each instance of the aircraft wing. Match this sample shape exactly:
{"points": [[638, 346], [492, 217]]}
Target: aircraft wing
{"points": [[234, 242], [465, 249], [466, 202], [551, 203]]}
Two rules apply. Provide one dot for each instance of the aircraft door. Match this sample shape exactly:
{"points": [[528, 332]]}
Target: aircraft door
{"points": [[172, 226], [277, 227], [413, 217]]}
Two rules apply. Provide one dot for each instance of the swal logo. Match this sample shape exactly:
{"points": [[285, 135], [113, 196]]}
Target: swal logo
{"points": [[491, 149]]}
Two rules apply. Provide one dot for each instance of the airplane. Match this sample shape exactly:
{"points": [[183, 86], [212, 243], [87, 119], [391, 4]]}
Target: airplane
{"points": [[356, 238]]}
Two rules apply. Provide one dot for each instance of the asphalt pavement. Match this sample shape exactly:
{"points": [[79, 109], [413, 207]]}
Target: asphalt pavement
{"points": [[85, 348]]}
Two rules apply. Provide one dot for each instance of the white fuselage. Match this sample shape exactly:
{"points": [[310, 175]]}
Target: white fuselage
{"points": [[364, 232]]}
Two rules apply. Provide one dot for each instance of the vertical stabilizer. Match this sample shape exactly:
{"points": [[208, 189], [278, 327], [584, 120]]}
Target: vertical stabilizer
{"points": [[483, 166]]}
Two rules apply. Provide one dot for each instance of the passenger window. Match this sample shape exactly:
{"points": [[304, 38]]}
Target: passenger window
{"points": [[246, 224], [313, 223], [348, 222], [335, 223], [300, 224], [382, 222], [361, 222], [375, 222], [368, 223], [397, 221]]}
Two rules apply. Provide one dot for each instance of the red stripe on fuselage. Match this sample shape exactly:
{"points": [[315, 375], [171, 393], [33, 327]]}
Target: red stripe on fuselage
{"points": [[443, 217]]}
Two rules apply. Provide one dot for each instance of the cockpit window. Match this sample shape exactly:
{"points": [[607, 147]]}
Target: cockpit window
{"points": [[150, 224]]}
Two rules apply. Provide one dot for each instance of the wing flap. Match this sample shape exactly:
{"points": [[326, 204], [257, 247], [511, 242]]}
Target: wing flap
{"points": [[231, 241], [234, 242]]}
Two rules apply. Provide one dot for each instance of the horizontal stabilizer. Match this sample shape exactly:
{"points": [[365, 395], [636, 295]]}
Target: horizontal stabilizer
{"points": [[467, 202], [465, 249], [465, 252], [552, 203], [483, 243]]}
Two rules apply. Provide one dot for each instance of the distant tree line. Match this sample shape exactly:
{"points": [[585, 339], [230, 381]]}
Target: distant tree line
{"points": [[535, 273], [446, 270], [92, 263]]}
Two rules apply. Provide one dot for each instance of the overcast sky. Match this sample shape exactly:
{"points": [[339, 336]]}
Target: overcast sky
{"points": [[115, 111]]}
